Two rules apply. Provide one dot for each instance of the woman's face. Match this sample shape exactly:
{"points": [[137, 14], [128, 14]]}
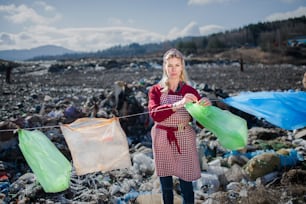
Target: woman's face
{"points": [[174, 68]]}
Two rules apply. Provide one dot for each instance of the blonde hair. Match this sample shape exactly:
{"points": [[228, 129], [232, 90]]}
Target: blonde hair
{"points": [[164, 82]]}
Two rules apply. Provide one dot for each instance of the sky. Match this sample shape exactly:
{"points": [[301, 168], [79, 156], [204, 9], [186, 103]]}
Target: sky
{"points": [[94, 25]]}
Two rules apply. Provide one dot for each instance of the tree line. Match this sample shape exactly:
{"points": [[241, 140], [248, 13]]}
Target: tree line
{"points": [[268, 36]]}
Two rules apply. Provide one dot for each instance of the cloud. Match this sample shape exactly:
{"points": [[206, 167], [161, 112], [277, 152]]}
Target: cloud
{"points": [[23, 14], [210, 29], [118, 22], [37, 30], [289, 1], [190, 29], [80, 39], [6, 39], [94, 38], [203, 2], [44, 5], [301, 11], [101, 38]]}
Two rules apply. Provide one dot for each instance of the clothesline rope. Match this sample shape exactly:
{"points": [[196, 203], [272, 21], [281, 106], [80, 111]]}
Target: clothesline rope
{"points": [[32, 128], [57, 126], [121, 117]]}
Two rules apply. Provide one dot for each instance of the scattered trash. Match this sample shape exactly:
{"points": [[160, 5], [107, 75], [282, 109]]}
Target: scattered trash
{"points": [[43, 104]]}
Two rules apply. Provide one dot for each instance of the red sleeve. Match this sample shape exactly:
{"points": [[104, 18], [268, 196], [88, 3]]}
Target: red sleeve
{"points": [[158, 112]]}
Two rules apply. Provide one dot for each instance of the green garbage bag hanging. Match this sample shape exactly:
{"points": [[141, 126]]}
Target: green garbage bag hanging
{"points": [[231, 130], [49, 165]]}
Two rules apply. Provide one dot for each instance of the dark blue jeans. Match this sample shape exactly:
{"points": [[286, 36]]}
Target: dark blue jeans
{"points": [[166, 184]]}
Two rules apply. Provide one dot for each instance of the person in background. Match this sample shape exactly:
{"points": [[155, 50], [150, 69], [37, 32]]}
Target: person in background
{"points": [[304, 80], [8, 74], [173, 139]]}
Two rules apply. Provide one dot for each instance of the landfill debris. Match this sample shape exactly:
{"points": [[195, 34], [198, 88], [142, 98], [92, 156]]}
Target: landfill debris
{"points": [[41, 99]]}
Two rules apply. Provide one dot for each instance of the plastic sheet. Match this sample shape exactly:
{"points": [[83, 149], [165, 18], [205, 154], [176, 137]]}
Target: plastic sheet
{"points": [[230, 129], [283, 109], [49, 165], [97, 144]]}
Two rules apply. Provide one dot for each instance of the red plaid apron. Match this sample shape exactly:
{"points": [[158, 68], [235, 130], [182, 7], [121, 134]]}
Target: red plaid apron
{"points": [[168, 160]]}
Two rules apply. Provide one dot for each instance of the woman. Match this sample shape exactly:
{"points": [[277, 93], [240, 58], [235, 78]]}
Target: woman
{"points": [[173, 139]]}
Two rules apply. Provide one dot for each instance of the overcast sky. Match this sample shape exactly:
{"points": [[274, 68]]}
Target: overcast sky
{"points": [[93, 25]]}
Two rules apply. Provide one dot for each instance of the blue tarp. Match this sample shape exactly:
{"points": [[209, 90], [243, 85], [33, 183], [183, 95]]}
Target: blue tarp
{"points": [[283, 109]]}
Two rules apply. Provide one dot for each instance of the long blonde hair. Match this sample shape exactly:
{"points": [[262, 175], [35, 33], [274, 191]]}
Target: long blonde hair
{"points": [[164, 82]]}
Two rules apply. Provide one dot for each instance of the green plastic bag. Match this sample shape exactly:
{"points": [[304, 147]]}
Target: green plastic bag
{"points": [[49, 165], [230, 129]]}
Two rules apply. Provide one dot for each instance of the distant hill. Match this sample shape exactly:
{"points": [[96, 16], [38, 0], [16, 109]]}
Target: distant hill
{"points": [[268, 38], [26, 54]]}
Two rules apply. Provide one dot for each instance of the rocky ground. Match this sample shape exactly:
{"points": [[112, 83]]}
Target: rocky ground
{"points": [[31, 83]]}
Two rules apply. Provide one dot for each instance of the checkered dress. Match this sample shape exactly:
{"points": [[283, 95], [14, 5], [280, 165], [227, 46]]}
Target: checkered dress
{"points": [[168, 161]]}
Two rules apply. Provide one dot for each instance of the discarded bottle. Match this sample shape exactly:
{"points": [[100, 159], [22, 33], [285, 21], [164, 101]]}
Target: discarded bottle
{"points": [[49, 165], [202, 156], [230, 129], [268, 177], [208, 183]]}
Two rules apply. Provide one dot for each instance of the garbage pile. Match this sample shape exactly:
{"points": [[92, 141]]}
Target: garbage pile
{"points": [[270, 169]]}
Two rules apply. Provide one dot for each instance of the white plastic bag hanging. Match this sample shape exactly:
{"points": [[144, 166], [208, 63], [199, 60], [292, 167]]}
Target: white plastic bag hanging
{"points": [[97, 144]]}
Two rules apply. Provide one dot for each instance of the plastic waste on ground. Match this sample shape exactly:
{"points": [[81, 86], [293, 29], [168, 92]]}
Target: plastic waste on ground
{"points": [[230, 129], [208, 183], [144, 198], [268, 177], [97, 144], [286, 161], [49, 165], [4, 187], [261, 165], [283, 109]]}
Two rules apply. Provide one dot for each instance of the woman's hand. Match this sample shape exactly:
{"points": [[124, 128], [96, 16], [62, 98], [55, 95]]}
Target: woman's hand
{"points": [[187, 98], [204, 102]]}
